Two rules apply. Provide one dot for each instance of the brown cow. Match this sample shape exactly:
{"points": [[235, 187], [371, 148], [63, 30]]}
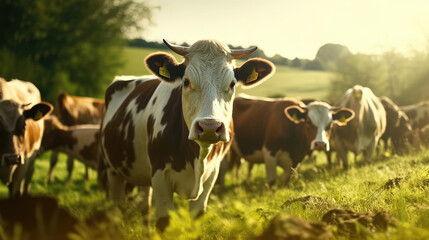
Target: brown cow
{"points": [[417, 113], [364, 131], [20, 133], [398, 127], [75, 110], [281, 132], [79, 141]]}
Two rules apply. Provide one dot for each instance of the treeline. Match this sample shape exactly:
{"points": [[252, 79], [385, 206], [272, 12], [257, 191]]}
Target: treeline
{"points": [[277, 59], [404, 79], [74, 45]]}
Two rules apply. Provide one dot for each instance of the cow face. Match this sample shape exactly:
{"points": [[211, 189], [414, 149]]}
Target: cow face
{"points": [[208, 77], [13, 134], [321, 116]]}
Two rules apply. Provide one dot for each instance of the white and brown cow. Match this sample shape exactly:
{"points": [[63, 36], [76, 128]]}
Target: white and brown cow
{"points": [[170, 133], [20, 133], [75, 110], [418, 114], [281, 132], [362, 133], [78, 141]]}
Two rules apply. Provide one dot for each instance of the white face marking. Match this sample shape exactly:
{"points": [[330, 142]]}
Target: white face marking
{"points": [[321, 117], [208, 96]]}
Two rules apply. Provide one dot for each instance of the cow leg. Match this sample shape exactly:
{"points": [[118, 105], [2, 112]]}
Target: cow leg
{"points": [[249, 172], [53, 163], [270, 168], [29, 172], [86, 172], [199, 206], [70, 164], [146, 193], [342, 154], [329, 158], [284, 161], [163, 199], [117, 187], [369, 151], [15, 188]]}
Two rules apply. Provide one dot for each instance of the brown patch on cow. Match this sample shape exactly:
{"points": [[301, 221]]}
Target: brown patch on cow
{"points": [[56, 135], [173, 145], [284, 227], [114, 87], [348, 221], [73, 110], [35, 213], [33, 132], [90, 152], [119, 149], [143, 99], [263, 123]]}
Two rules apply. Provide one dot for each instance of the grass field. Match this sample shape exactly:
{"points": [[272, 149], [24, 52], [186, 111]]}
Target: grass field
{"points": [[241, 210], [286, 81]]}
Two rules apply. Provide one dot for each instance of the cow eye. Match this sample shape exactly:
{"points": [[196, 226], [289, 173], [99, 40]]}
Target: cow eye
{"points": [[186, 83], [232, 85]]}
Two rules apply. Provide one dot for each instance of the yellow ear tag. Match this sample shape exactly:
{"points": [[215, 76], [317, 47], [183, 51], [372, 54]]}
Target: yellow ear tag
{"points": [[38, 115], [163, 71], [295, 118], [358, 95], [252, 77], [343, 120]]}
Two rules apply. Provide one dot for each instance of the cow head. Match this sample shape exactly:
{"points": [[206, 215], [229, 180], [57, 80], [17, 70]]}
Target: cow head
{"points": [[321, 116], [14, 134], [209, 77]]}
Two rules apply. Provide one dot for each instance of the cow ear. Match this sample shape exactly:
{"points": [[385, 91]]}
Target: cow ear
{"points": [[342, 116], [165, 66], [296, 114], [254, 71], [38, 111]]}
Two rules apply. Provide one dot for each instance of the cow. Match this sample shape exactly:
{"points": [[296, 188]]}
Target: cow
{"points": [[21, 131], [78, 141], [170, 133], [417, 113], [363, 132], [75, 110], [283, 132], [398, 127]]}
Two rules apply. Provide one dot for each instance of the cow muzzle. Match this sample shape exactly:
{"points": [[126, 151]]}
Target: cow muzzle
{"points": [[11, 159], [319, 145], [209, 131]]}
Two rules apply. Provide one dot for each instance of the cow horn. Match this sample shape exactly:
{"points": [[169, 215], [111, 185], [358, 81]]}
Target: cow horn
{"points": [[176, 48], [239, 53]]}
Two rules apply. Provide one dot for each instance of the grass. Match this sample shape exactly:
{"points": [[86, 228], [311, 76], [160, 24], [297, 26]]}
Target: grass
{"points": [[241, 210], [286, 81]]}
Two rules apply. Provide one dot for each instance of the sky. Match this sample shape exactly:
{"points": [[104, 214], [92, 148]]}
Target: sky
{"points": [[295, 28]]}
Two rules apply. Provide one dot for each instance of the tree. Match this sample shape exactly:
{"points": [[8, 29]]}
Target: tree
{"points": [[296, 63], [72, 45]]}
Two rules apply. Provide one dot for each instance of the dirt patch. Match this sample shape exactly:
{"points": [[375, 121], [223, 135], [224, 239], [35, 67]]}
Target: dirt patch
{"points": [[350, 223], [310, 202], [283, 227]]}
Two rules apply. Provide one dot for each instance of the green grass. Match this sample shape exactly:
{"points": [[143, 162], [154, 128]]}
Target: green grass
{"points": [[286, 81], [241, 210]]}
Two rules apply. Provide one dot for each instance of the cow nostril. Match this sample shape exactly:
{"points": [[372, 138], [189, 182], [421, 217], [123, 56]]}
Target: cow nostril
{"points": [[220, 129], [200, 130]]}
